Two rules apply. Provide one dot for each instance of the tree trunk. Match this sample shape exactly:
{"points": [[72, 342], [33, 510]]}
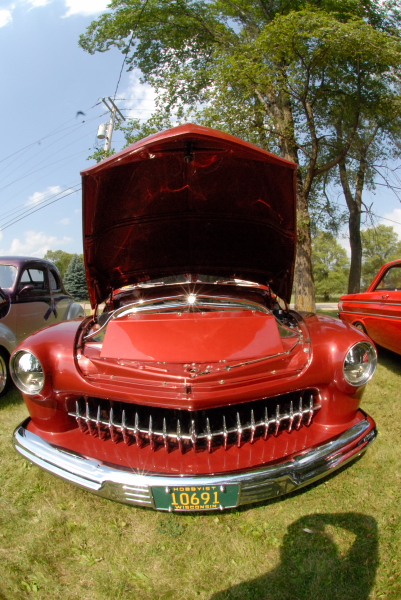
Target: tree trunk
{"points": [[354, 280], [354, 222], [304, 287]]}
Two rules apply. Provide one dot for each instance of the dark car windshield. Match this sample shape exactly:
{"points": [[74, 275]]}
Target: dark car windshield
{"points": [[8, 274]]}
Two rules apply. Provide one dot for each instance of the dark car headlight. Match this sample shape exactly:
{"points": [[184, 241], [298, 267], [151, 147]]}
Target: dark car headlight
{"points": [[359, 363], [27, 372]]}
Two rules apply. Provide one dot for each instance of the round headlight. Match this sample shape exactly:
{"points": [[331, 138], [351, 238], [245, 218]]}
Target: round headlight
{"points": [[359, 363], [27, 372]]}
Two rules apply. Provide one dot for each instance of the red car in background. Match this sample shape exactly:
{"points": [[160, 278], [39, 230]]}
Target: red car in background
{"points": [[197, 388], [377, 311]]}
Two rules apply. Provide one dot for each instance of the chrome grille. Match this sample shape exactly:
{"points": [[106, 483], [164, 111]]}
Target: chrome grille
{"points": [[195, 430]]}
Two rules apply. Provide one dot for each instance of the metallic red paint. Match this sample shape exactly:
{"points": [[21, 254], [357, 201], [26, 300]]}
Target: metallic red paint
{"points": [[378, 310], [150, 213], [195, 203]]}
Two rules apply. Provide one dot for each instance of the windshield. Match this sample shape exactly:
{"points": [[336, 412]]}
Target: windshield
{"points": [[8, 273]]}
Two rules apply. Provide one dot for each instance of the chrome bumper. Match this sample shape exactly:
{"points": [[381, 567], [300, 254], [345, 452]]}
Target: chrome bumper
{"points": [[135, 488]]}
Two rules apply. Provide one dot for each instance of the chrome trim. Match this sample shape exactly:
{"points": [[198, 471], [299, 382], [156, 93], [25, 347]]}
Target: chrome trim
{"points": [[170, 303], [256, 360], [372, 301], [135, 488], [147, 434], [355, 314]]}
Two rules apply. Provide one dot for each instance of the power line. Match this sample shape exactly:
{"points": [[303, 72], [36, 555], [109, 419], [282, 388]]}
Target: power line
{"points": [[129, 45], [53, 132], [14, 221]]}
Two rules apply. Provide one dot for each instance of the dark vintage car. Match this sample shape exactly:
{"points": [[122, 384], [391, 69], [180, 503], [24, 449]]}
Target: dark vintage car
{"points": [[377, 311], [32, 296], [197, 388]]}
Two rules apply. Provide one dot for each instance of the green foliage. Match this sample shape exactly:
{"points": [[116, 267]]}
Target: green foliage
{"points": [[280, 74], [60, 259], [100, 154], [330, 266], [380, 245], [75, 279]]}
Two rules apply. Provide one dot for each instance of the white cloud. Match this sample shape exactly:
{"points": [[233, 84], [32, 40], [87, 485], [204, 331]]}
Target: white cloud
{"points": [[37, 3], [38, 197], [35, 244], [5, 16], [85, 7], [394, 220], [140, 98], [65, 221]]}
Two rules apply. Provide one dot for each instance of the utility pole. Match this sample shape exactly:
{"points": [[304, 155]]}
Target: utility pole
{"points": [[105, 132]]}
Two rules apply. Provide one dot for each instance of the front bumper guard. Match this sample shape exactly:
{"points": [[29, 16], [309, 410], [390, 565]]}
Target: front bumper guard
{"points": [[135, 488]]}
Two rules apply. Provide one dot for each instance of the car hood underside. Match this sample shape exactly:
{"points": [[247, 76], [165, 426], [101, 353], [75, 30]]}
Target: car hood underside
{"points": [[189, 200]]}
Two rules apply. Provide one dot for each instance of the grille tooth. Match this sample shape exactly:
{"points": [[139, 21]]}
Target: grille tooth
{"points": [[112, 428], [137, 431], [165, 439], [89, 422], [98, 423], [277, 420], [239, 431], [80, 420], [289, 429], [310, 415], [266, 424], [194, 437], [151, 440], [179, 439], [225, 433], [253, 427], [126, 437], [203, 430], [208, 435], [300, 414]]}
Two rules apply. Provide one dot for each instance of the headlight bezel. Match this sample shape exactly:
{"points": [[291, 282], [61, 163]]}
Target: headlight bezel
{"points": [[355, 355], [20, 375]]}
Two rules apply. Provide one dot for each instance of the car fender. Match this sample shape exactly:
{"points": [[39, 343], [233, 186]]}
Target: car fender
{"points": [[75, 310], [8, 339]]}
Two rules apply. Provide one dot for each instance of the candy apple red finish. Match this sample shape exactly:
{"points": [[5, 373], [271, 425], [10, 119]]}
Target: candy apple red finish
{"points": [[377, 311], [196, 387]]}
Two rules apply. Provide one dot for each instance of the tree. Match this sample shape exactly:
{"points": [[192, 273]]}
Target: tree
{"points": [[60, 259], [330, 266], [377, 141], [380, 245], [272, 72], [75, 279]]}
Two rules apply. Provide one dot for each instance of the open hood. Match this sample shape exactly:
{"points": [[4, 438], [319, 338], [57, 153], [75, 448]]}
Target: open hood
{"points": [[189, 200]]}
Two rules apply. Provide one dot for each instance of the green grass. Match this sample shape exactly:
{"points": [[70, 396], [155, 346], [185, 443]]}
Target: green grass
{"points": [[337, 540]]}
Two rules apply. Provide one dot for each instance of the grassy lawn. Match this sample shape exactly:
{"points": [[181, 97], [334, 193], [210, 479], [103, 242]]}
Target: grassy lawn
{"points": [[337, 540]]}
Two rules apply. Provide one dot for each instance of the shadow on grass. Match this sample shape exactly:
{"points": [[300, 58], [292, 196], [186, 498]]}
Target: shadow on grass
{"points": [[323, 557], [12, 398], [390, 360]]}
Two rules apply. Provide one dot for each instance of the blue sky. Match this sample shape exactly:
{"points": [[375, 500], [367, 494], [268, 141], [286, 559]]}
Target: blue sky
{"points": [[45, 80]]}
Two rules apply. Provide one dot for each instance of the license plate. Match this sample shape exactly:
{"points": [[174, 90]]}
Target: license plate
{"points": [[194, 498]]}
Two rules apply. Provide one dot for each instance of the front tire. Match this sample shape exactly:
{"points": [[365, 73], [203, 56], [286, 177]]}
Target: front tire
{"points": [[361, 327], [5, 377]]}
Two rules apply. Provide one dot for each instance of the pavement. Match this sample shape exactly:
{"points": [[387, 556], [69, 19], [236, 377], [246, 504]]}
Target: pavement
{"points": [[323, 306]]}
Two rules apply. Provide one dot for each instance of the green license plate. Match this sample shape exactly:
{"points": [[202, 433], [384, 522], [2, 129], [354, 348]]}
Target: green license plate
{"points": [[196, 497]]}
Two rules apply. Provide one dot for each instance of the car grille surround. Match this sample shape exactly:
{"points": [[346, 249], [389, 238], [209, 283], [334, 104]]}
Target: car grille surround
{"points": [[203, 430]]}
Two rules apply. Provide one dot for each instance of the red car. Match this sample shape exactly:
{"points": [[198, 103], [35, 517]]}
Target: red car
{"points": [[377, 311], [196, 388]]}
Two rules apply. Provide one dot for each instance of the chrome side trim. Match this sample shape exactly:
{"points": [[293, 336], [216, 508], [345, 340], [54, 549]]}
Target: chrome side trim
{"points": [[365, 314], [382, 301], [135, 488]]}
